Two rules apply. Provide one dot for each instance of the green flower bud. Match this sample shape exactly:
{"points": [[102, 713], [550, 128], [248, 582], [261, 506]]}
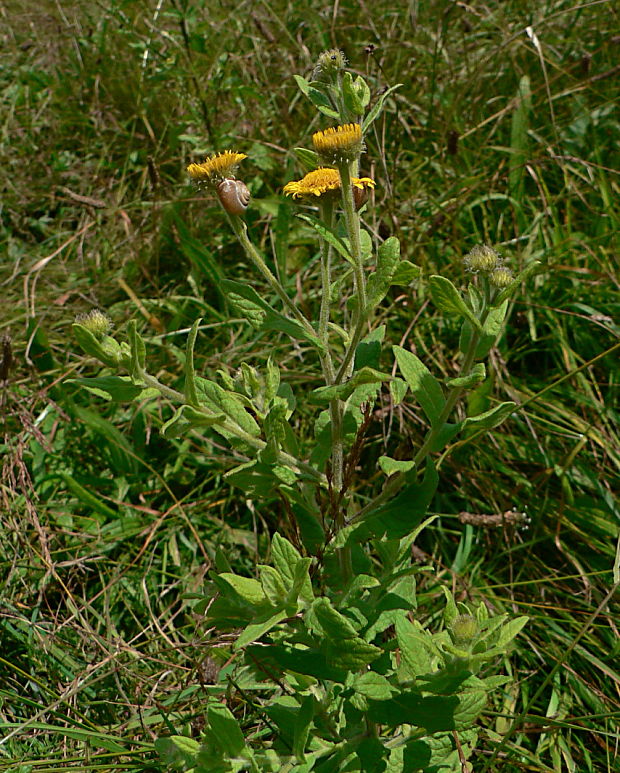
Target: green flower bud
{"points": [[96, 322], [482, 258], [464, 630], [329, 64], [501, 277]]}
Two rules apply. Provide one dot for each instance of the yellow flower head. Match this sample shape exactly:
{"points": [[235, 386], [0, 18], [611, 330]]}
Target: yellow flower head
{"points": [[339, 143], [216, 167], [323, 180]]}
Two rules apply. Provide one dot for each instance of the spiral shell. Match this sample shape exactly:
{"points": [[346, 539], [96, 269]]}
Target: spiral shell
{"points": [[234, 195], [360, 196]]}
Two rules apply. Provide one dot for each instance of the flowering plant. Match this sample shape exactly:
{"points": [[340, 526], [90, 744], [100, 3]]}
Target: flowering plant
{"points": [[329, 667]]}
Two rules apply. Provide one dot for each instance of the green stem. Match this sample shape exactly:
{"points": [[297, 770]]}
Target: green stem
{"points": [[394, 483], [327, 215], [353, 231], [241, 232], [335, 406]]}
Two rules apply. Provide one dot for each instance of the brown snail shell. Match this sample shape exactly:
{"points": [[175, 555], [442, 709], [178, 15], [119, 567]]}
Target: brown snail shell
{"points": [[360, 197], [234, 195]]}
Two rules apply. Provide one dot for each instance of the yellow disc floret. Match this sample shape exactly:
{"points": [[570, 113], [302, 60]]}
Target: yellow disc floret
{"points": [[216, 167], [339, 143], [321, 181]]}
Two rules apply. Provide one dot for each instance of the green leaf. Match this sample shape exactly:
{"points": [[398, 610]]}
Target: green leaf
{"points": [[414, 650], [444, 436], [292, 567], [276, 659], [363, 90], [292, 328], [244, 304], [186, 745], [379, 282], [107, 350], [190, 374], [187, 418], [398, 390], [86, 497], [405, 273], [488, 335], [510, 290], [177, 750], [470, 706], [318, 98], [368, 351], [249, 589], [519, 139], [115, 388], [491, 418], [477, 374], [272, 584], [343, 391], [303, 722], [138, 351], [511, 629], [330, 236], [285, 555], [447, 298], [226, 730], [259, 628], [350, 654], [451, 611], [378, 107], [391, 466], [334, 625], [352, 99], [302, 585], [434, 713], [308, 159], [373, 685], [491, 328], [423, 384], [218, 400], [268, 318]]}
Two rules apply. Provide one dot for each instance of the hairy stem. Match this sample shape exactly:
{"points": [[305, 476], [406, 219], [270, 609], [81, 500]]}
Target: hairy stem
{"points": [[241, 232], [394, 483]]}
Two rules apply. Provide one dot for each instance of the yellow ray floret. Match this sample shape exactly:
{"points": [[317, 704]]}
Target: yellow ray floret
{"points": [[322, 180], [216, 167], [339, 142]]}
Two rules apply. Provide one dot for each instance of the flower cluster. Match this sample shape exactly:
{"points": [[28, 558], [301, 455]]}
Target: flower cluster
{"points": [[486, 260], [335, 146]]}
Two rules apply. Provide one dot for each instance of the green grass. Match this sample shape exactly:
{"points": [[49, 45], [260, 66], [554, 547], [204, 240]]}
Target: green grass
{"points": [[495, 136]]}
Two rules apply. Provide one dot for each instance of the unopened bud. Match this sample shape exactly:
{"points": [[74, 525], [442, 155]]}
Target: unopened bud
{"points": [[96, 322], [329, 64], [482, 258], [501, 277], [463, 630]]}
